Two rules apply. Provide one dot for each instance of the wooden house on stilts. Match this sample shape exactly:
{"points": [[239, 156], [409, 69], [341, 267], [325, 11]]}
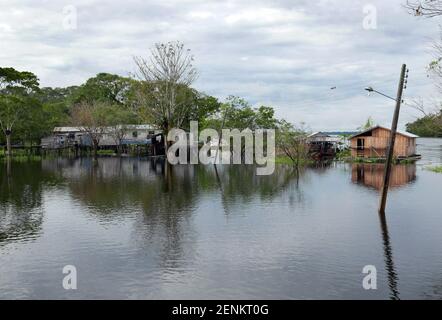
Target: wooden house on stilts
{"points": [[373, 143]]}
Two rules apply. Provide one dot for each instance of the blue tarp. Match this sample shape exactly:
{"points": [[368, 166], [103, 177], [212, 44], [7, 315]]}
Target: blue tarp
{"points": [[136, 142]]}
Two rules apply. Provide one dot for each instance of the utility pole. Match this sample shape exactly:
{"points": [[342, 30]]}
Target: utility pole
{"points": [[389, 160]]}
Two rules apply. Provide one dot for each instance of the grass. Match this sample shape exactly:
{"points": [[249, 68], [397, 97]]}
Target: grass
{"points": [[437, 169], [378, 160], [106, 152], [287, 160], [343, 155], [406, 161], [283, 160], [19, 155], [366, 160]]}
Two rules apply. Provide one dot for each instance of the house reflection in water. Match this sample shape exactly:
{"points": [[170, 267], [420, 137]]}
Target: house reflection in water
{"points": [[372, 175]]}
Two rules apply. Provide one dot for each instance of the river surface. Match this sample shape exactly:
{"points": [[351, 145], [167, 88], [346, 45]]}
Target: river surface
{"points": [[134, 230]]}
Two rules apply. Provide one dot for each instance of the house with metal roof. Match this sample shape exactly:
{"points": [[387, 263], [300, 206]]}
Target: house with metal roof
{"points": [[109, 136], [373, 143]]}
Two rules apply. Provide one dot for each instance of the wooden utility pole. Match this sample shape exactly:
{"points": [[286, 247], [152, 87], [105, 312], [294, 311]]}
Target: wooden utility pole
{"points": [[389, 160]]}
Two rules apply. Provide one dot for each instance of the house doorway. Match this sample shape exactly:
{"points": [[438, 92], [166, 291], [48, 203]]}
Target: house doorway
{"points": [[361, 144]]}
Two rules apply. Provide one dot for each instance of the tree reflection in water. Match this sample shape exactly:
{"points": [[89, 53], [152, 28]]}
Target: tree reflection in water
{"points": [[161, 198], [21, 212]]}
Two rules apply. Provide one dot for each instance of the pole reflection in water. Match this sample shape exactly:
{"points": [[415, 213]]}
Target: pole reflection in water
{"points": [[389, 263]]}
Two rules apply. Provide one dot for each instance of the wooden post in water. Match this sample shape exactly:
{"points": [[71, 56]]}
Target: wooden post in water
{"points": [[388, 163]]}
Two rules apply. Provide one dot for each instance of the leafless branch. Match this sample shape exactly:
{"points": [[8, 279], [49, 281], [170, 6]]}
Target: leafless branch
{"points": [[424, 8], [168, 69]]}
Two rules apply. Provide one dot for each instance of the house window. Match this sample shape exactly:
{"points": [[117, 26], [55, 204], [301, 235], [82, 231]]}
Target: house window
{"points": [[135, 134]]}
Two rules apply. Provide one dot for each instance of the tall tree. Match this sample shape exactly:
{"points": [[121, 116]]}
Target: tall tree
{"points": [[56, 103], [16, 89], [430, 125], [237, 113], [104, 87], [200, 107], [165, 76]]}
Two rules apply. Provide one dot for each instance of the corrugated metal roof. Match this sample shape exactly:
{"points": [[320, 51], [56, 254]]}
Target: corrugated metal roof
{"points": [[128, 127], [67, 129], [318, 133], [404, 133]]}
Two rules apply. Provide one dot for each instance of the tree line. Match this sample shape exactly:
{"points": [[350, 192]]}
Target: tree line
{"points": [[160, 93]]}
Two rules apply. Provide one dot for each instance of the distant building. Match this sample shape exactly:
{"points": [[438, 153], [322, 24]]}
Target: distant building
{"points": [[373, 143], [129, 135], [323, 145]]}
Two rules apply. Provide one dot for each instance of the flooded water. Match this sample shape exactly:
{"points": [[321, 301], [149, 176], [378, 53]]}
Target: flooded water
{"points": [[134, 230]]}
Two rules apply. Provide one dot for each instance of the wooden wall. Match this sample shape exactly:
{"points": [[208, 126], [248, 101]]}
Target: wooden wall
{"points": [[377, 144]]}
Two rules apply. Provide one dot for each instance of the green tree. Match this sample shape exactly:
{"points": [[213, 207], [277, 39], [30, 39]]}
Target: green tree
{"points": [[292, 142], [104, 87], [367, 125], [430, 125], [16, 101], [265, 118], [202, 108], [237, 113]]}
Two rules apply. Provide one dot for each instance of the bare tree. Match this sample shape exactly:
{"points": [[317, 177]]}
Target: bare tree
{"points": [[292, 142], [432, 116], [432, 110], [118, 121], [435, 66], [117, 132], [425, 8], [167, 71], [431, 120], [88, 117]]}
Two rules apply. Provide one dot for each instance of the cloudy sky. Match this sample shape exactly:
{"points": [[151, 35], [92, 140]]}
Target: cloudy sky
{"points": [[287, 54]]}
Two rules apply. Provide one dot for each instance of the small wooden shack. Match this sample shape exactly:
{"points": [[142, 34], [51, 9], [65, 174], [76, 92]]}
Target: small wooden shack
{"points": [[373, 143], [322, 145]]}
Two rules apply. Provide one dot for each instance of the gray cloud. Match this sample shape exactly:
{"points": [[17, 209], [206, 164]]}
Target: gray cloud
{"points": [[284, 53]]}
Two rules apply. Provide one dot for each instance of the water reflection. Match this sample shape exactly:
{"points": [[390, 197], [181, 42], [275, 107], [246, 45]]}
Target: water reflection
{"points": [[142, 229], [21, 212], [389, 262], [372, 175], [113, 183], [161, 199]]}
